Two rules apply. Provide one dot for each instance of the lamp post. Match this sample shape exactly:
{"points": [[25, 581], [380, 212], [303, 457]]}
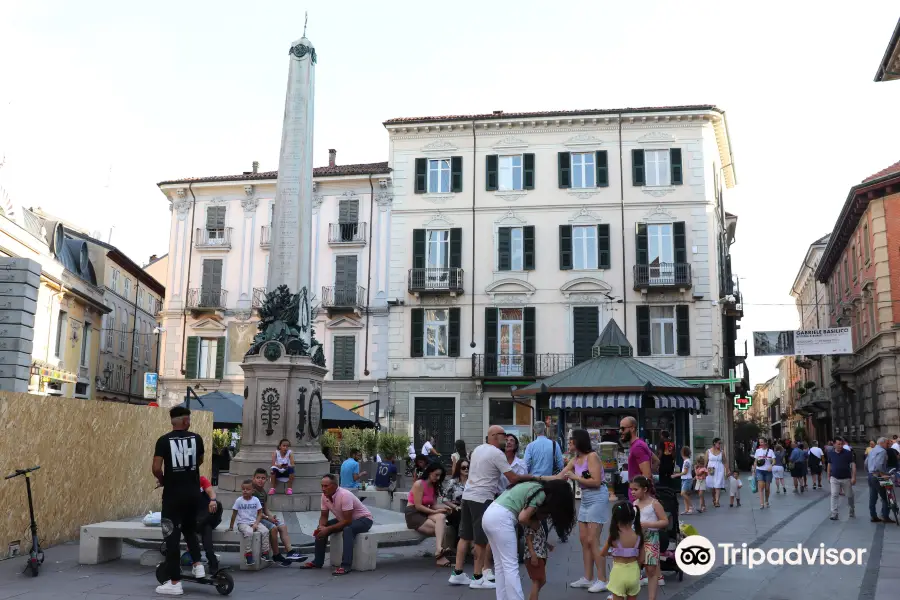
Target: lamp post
{"points": [[157, 330]]}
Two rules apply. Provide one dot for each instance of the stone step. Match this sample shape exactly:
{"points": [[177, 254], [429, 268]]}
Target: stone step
{"points": [[277, 503]]}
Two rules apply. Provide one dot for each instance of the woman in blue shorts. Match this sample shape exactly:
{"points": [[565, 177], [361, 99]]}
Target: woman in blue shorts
{"points": [[763, 461]]}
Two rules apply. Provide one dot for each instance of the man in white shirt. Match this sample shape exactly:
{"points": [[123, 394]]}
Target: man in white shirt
{"points": [[428, 447], [815, 464], [487, 464], [896, 444]]}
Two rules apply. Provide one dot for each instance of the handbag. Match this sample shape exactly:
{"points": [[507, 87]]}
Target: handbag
{"points": [[753, 487]]}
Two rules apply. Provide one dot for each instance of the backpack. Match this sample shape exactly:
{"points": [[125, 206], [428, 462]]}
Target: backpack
{"points": [[893, 459]]}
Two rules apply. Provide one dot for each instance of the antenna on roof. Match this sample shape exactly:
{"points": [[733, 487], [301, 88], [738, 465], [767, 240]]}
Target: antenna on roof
{"points": [[305, 21]]}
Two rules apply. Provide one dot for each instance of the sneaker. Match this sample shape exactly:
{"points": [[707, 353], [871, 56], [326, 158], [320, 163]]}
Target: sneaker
{"points": [[581, 583], [644, 581], [294, 555], [833, 517], [278, 557], [265, 557], [459, 578], [597, 587], [249, 558], [170, 589], [852, 514], [289, 492], [489, 575], [271, 491], [482, 583], [662, 581], [198, 571]]}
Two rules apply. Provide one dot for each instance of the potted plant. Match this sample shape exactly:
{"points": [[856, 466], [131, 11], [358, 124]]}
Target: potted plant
{"points": [[368, 444], [394, 445], [330, 445]]}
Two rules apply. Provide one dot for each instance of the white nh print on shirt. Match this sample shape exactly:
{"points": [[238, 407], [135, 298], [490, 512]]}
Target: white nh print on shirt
{"points": [[184, 453]]}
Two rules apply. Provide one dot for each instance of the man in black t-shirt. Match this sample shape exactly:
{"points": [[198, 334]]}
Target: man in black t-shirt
{"points": [[176, 465]]}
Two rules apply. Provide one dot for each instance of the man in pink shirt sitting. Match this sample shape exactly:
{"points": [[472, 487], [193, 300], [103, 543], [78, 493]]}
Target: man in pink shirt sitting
{"points": [[351, 517]]}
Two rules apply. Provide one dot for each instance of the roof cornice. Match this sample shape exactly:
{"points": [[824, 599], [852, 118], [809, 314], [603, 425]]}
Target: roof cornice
{"points": [[889, 67]]}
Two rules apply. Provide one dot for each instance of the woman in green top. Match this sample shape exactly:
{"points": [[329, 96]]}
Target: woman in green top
{"points": [[527, 503]]}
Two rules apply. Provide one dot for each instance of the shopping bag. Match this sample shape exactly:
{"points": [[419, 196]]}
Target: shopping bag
{"points": [[753, 487], [153, 519]]}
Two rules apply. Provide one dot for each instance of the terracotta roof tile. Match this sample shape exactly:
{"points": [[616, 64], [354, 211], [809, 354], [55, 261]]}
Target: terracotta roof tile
{"points": [[378, 168], [550, 113], [891, 170]]}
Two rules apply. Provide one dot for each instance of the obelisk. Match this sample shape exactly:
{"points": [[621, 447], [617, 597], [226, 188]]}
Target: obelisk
{"points": [[284, 370]]}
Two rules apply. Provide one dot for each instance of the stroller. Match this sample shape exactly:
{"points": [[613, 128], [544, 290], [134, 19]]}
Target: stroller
{"points": [[671, 536]]}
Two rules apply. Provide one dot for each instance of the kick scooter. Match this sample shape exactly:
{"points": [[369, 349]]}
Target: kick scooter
{"points": [[36, 556]]}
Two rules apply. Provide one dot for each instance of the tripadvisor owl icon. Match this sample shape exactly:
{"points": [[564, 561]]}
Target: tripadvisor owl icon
{"points": [[695, 555]]}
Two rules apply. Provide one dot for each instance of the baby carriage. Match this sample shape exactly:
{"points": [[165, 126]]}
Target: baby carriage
{"points": [[669, 538]]}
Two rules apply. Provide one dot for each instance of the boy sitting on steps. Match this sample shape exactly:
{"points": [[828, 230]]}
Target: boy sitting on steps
{"points": [[270, 522]]}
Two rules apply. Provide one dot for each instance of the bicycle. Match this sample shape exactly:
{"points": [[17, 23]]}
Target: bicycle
{"points": [[888, 484], [36, 556]]}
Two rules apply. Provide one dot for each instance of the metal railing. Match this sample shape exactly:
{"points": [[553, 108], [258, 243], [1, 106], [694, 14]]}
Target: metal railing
{"points": [[265, 236], [662, 275], [206, 298], [259, 297], [436, 279], [347, 233], [520, 365], [343, 297], [213, 238]]}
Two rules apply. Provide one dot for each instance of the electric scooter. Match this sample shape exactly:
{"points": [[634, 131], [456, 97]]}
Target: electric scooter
{"points": [[221, 579], [36, 556]]}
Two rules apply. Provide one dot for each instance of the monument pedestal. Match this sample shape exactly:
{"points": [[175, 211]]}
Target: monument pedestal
{"points": [[283, 400]]}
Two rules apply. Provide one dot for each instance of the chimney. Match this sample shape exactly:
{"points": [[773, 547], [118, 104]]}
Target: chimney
{"points": [[152, 257], [332, 157], [498, 112], [255, 167]]}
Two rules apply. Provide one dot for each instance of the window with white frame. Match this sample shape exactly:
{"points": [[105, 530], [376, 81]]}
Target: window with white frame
{"points": [[657, 169], [109, 323], [123, 320], [510, 172], [148, 345], [438, 175], [85, 344], [206, 366], [437, 248], [140, 296], [127, 288], [662, 330], [114, 280], [584, 247], [584, 170], [436, 334], [61, 322], [516, 248], [137, 340]]}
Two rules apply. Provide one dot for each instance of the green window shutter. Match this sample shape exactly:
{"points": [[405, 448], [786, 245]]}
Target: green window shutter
{"points": [[586, 324], [337, 357], [453, 329], [215, 217], [637, 167], [640, 231], [528, 247], [418, 249], [220, 357], [491, 172], [456, 248], [456, 174], [421, 175], [565, 170], [604, 260], [344, 357], [602, 169], [643, 330], [679, 241], [192, 356], [348, 211], [682, 324], [675, 165], [491, 316], [417, 332], [528, 171], [529, 338], [504, 250], [565, 247]]}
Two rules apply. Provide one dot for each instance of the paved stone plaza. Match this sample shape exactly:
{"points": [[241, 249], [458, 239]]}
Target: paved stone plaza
{"points": [[405, 574]]}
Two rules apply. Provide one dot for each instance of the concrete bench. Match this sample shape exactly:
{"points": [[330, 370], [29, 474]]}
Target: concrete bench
{"points": [[373, 497], [400, 500], [102, 542], [365, 545]]}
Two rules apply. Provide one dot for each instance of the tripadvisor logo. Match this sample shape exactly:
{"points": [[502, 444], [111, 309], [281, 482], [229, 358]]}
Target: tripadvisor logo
{"points": [[696, 555]]}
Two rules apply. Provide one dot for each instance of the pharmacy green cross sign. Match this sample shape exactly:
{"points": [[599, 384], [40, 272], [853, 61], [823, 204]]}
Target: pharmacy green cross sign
{"points": [[743, 402], [731, 381]]}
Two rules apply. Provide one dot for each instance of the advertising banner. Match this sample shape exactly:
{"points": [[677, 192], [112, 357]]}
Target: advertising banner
{"points": [[150, 383], [808, 342]]}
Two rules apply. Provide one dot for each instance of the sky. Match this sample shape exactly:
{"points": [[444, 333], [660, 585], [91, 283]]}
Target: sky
{"points": [[101, 100]]}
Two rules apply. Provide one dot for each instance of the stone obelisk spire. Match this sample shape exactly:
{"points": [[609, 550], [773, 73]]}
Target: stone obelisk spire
{"points": [[290, 262]]}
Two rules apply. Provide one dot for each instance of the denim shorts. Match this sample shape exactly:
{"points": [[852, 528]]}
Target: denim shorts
{"points": [[269, 525], [687, 485], [764, 476]]}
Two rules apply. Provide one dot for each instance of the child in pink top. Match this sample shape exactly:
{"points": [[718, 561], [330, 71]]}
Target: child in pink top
{"points": [[700, 475]]}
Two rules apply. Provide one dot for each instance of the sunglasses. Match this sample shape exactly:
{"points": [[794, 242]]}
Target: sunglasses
{"points": [[464, 468]]}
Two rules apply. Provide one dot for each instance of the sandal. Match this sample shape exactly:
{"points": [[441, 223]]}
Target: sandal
{"points": [[441, 553], [310, 565], [688, 512], [442, 562], [340, 571]]}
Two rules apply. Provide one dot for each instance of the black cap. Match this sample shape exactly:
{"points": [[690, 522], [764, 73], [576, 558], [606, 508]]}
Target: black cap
{"points": [[179, 411]]}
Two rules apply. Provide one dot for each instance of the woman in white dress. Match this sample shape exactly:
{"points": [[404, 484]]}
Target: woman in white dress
{"points": [[716, 464]]}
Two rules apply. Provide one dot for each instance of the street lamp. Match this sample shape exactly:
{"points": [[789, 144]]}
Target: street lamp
{"points": [[158, 330], [107, 373]]}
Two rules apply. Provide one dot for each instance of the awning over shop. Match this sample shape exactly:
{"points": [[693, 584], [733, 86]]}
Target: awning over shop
{"points": [[48, 372], [676, 401], [622, 400]]}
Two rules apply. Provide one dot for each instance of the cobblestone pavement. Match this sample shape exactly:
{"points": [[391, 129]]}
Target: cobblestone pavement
{"points": [[406, 574]]}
